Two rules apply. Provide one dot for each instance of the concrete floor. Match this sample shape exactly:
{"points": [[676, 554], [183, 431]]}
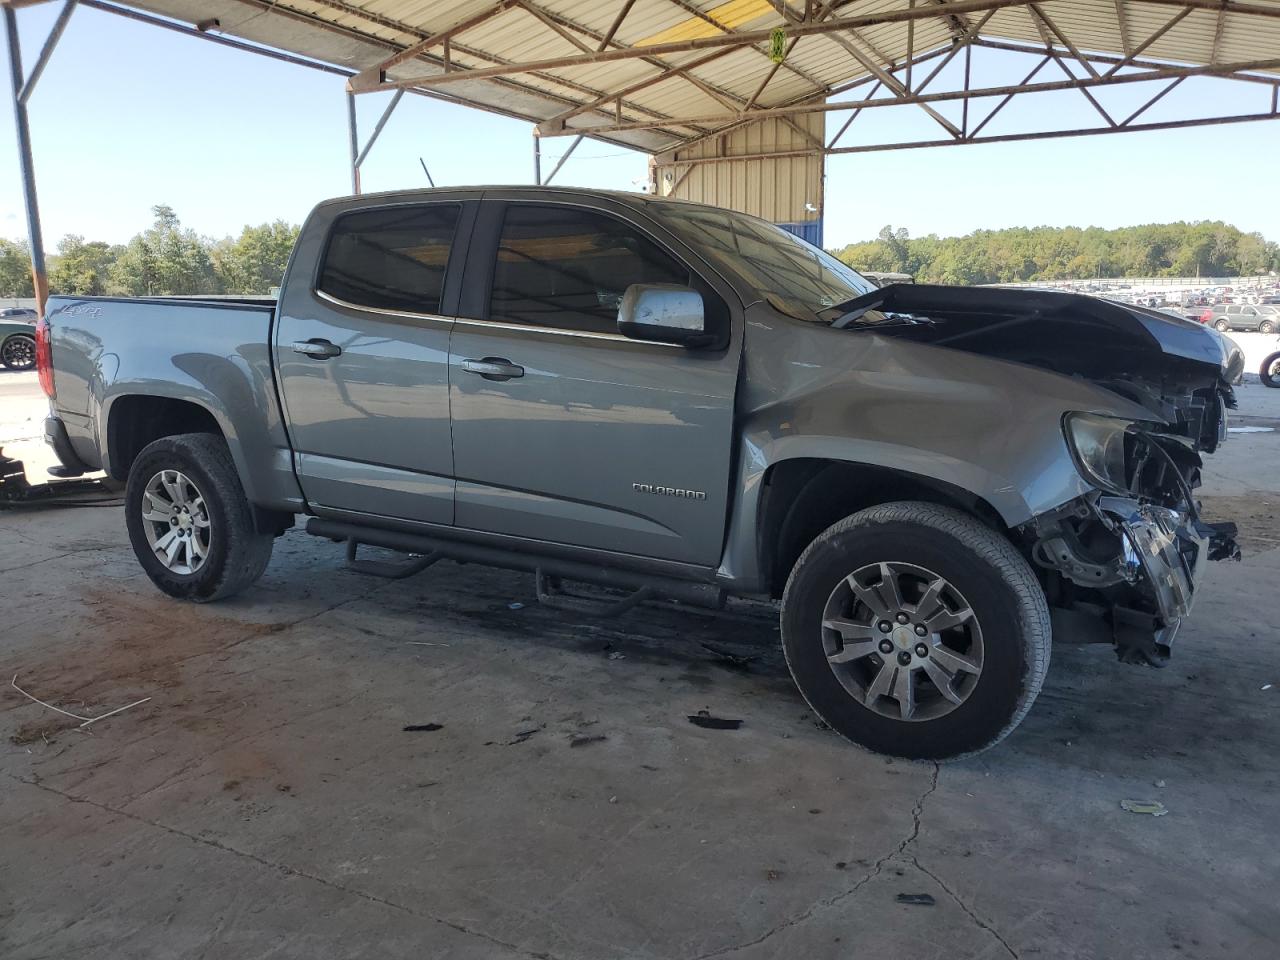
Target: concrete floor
{"points": [[266, 801]]}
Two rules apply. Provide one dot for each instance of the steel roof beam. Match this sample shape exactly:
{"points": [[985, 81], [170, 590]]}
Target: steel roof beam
{"points": [[369, 80], [1108, 59], [1162, 73], [1176, 19], [1273, 114], [707, 18]]}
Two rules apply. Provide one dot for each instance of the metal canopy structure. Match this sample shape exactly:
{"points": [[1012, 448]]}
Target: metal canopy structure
{"points": [[730, 97], [662, 75]]}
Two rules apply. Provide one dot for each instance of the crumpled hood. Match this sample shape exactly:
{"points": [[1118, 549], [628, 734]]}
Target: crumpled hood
{"points": [[984, 306], [1178, 369]]}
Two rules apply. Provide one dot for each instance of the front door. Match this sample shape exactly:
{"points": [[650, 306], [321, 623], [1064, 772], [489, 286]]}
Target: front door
{"points": [[564, 430], [362, 359]]}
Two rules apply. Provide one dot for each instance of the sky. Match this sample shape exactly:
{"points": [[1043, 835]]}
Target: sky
{"points": [[128, 116]]}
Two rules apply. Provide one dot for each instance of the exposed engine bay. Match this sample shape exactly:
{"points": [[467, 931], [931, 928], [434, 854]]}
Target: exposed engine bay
{"points": [[1118, 565]]}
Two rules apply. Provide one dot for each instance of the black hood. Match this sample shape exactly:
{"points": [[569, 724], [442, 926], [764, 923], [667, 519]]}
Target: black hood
{"points": [[971, 310]]}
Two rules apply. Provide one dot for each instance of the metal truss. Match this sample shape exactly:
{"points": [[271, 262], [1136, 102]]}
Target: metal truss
{"points": [[1058, 63]]}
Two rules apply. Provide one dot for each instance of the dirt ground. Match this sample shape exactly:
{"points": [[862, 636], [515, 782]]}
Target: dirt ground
{"points": [[555, 800]]}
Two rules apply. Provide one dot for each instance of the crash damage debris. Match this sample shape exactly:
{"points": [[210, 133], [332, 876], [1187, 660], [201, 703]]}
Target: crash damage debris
{"points": [[1152, 808], [916, 899], [582, 739], [704, 719], [423, 727], [734, 661]]}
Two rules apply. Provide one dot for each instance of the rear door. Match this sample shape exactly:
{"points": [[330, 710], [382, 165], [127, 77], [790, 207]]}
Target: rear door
{"points": [[589, 438], [362, 349]]}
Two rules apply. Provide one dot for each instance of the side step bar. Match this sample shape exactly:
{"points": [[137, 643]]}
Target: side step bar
{"points": [[686, 591]]}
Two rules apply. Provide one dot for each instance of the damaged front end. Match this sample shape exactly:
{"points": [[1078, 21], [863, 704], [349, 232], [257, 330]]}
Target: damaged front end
{"points": [[1122, 564]]}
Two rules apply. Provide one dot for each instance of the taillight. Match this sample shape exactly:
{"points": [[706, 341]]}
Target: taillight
{"points": [[44, 357]]}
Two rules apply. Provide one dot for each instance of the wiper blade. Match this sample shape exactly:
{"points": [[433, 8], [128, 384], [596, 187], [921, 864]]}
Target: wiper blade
{"points": [[851, 310]]}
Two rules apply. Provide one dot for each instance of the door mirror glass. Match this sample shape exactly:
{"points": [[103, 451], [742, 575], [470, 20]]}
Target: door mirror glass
{"points": [[663, 312]]}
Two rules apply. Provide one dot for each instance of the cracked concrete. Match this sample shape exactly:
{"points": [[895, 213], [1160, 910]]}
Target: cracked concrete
{"points": [[268, 802]]}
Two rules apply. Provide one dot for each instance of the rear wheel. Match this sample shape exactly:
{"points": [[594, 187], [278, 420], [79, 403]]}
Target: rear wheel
{"points": [[19, 352], [1222, 326], [916, 631], [189, 521]]}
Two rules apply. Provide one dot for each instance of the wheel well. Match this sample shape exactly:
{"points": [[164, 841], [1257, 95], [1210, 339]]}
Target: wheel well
{"points": [[805, 496], [138, 420]]}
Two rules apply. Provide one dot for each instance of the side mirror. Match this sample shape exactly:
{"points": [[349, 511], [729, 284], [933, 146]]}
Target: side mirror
{"points": [[665, 313]]}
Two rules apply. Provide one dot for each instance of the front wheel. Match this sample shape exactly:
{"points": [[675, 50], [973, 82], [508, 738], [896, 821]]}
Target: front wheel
{"points": [[19, 352], [916, 631], [1270, 372], [1266, 326], [189, 521]]}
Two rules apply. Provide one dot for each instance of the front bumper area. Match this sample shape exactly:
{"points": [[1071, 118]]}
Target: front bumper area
{"points": [[1165, 554], [1163, 550]]}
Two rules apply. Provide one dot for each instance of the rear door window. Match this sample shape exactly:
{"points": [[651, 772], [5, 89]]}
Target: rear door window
{"points": [[394, 258], [566, 267]]}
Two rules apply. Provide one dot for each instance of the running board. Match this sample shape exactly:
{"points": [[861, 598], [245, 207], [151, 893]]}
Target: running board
{"points": [[432, 549], [381, 568], [551, 593]]}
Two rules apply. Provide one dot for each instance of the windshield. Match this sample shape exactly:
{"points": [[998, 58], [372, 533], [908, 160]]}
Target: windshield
{"points": [[793, 275]]}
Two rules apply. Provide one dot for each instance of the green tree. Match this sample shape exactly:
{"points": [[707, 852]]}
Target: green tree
{"points": [[1206, 248], [81, 268], [255, 261], [15, 269], [164, 259]]}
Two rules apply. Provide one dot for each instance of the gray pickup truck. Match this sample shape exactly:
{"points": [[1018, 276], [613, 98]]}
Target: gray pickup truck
{"points": [[679, 402]]}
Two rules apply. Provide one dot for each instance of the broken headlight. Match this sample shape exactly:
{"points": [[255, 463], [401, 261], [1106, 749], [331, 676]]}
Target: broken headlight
{"points": [[1102, 448]]}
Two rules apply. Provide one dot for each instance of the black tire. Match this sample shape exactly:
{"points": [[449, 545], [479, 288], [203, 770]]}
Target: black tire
{"points": [[1221, 326], [982, 565], [237, 554], [1270, 372], [18, 352], [1266, 326]]}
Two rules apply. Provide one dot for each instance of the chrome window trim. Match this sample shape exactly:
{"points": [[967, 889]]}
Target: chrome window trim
{"points": [[382, 311], [561, 332], [530, 328]]}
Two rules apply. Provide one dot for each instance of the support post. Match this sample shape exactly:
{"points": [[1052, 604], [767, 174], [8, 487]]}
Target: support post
{"points": [[377, 129], [355, 143], [26, 163], [563, 157], [537, 159]]}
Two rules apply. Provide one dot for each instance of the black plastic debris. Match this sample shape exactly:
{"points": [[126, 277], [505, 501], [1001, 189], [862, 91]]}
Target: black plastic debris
{"points": [[734, 661], [916, 899], [423, 727], [704, 719], [581, 739]]}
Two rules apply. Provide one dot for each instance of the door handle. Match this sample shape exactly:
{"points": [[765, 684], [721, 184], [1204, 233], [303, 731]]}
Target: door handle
{"points": [[494, 368], [317, 348]]}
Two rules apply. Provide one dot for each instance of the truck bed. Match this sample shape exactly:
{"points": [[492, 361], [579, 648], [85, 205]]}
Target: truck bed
{"points": [[212, 354]]}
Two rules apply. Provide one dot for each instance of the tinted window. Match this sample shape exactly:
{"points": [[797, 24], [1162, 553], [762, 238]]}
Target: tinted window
{"points": [[777, 264], [566, 267], [393, 259]]}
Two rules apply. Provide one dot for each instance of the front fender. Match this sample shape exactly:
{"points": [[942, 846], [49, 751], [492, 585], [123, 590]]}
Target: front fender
{"points": [[989, 427]]}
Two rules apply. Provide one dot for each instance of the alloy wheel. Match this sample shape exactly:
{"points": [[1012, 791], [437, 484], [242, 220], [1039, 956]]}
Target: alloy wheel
{"points": [[176, 521], [902, 641], [19, 353]]}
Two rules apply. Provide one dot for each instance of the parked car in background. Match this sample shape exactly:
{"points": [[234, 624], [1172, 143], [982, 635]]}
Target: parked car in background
{"points": [[1262, 318], [18, 338]]}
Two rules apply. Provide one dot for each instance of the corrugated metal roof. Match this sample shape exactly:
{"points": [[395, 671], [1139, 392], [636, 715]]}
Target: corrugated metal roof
{"points": [[359, 34]]}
